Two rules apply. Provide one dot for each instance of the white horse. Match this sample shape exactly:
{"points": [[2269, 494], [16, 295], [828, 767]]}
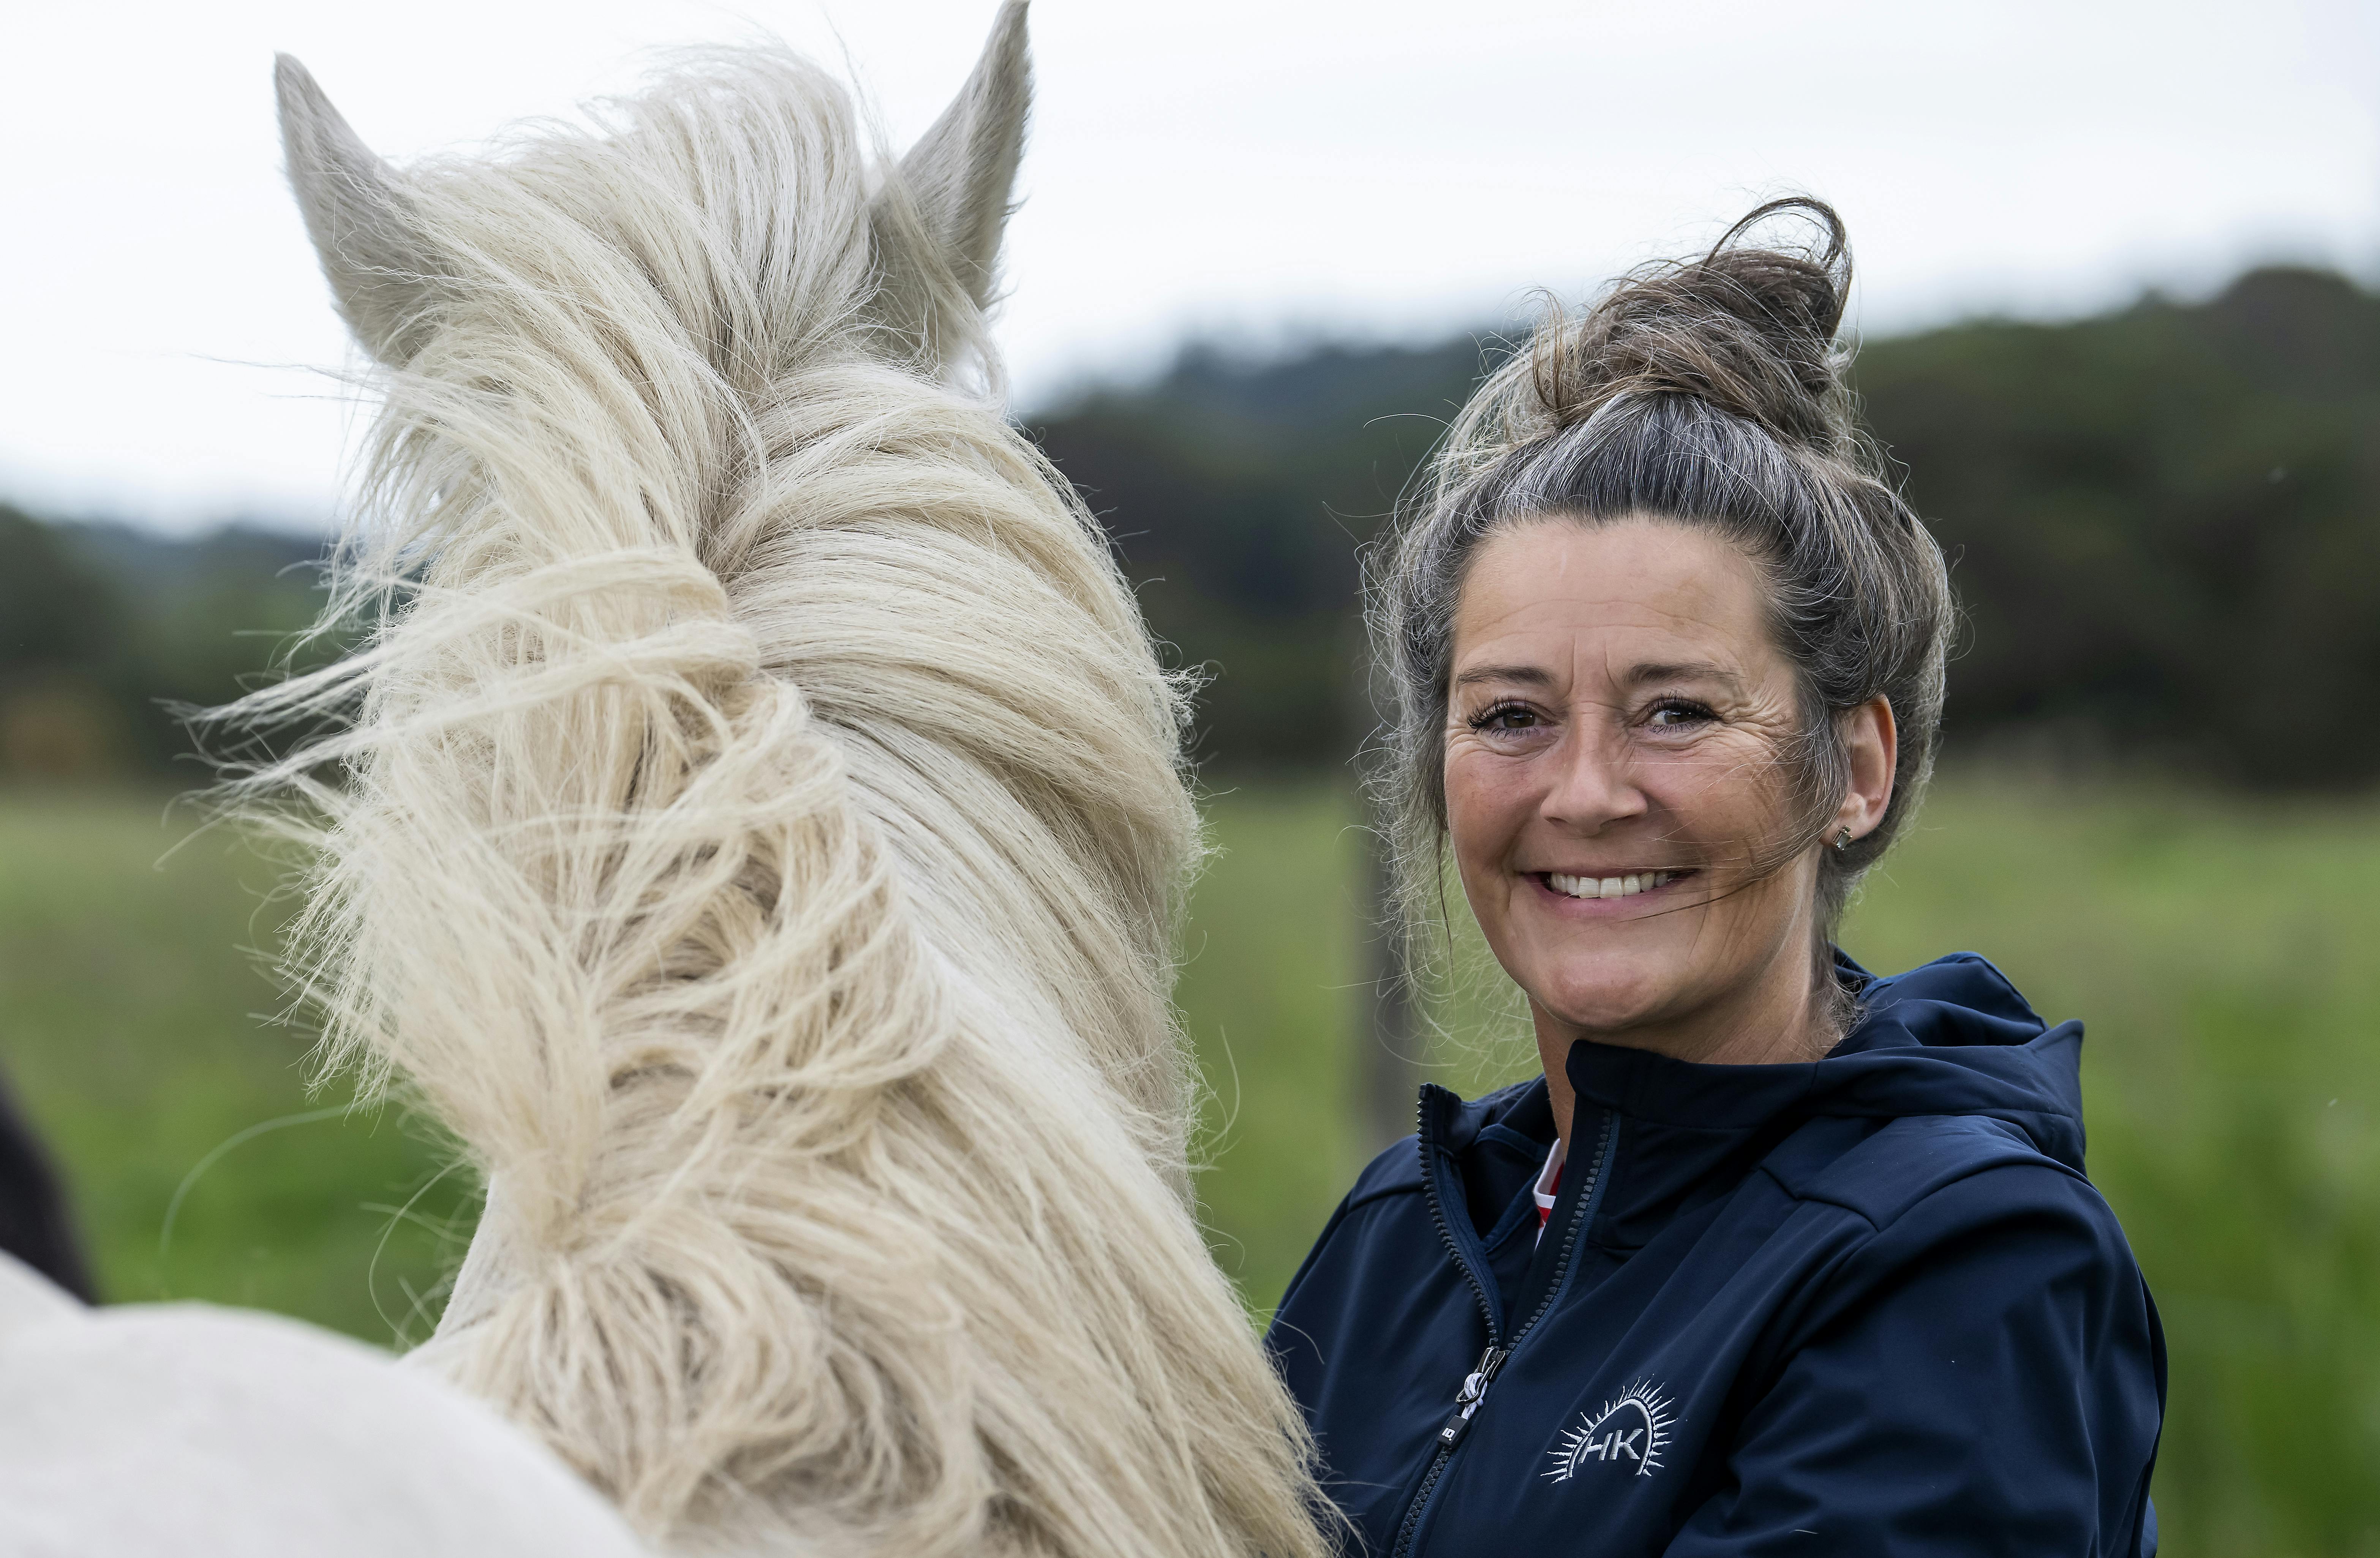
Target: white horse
{"points": [[754, 826], [227, 1433]]}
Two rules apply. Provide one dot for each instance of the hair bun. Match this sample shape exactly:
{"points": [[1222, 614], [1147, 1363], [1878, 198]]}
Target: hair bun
{"points": [[1748, 329]]}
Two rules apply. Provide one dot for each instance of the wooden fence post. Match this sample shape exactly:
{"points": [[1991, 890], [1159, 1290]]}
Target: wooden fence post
{"points": [[1388, 1034]]}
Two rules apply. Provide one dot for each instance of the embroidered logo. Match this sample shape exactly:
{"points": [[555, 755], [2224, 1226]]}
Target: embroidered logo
{"points": [[1633, 1428]]}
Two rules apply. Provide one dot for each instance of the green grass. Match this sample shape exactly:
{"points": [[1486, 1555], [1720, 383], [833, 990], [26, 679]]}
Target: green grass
{"points": [[2221, 953], [2216, 948], [130, 1028]]}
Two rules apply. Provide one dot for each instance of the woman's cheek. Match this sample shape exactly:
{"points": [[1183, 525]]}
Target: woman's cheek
{"points": [[1481, 822], [1481, 797], [1720, 789]]}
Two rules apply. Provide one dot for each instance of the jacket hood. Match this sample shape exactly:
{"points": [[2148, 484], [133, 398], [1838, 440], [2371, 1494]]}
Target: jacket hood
{"points": [[1950, 1037]]}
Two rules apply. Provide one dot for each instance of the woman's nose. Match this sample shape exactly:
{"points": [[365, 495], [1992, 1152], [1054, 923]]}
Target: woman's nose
{"points": [[1592, 784]]}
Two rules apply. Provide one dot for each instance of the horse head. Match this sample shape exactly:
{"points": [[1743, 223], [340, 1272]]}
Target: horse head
{"points": [[753, 823]]}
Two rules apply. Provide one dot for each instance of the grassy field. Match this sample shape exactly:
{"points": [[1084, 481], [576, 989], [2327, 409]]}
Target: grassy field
{"points": [[133, 1027], [2220, 950]]}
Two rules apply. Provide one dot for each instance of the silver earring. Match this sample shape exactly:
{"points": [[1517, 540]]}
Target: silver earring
{"points": [[1842, 840]]}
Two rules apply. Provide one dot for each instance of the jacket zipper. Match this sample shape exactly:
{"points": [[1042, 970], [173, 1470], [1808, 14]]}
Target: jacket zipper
{"points": [[1473, 1389]]}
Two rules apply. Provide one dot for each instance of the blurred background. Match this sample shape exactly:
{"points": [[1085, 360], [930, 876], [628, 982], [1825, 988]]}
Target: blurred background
{"points": [[2119, 313]]}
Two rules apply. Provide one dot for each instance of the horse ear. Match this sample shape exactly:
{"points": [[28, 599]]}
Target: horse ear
{"points": [[959, 175], [357, 213]]}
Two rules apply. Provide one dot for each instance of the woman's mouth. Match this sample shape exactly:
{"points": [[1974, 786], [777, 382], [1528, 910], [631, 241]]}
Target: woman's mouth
{"points": [[1623, 886]]}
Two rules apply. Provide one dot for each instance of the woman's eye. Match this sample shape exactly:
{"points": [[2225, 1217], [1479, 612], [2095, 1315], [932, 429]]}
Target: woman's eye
{"points": [[1671, 713], [1505, 717]]}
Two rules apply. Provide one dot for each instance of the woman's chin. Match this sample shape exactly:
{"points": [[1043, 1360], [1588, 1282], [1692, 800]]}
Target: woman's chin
{"points": [[1605, 1008]]}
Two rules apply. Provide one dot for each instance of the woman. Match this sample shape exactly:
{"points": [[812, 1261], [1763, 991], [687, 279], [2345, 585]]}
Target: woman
{"points": [[1777, 1255]]}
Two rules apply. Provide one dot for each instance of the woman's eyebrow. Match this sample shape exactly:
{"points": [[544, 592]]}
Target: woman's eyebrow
{"points": [[1683, 671], [1532, 676]]}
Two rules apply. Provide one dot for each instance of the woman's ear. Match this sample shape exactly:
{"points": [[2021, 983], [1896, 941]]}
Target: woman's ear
{"points": [[1872, 742]]}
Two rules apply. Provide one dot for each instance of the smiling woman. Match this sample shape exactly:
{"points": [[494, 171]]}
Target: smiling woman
{"points": [[1778, 1255], [1615, 730]]}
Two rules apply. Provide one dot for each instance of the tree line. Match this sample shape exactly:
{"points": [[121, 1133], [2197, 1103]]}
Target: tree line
{"points": [[2162, 523], [106, 632], [2163, 527]]}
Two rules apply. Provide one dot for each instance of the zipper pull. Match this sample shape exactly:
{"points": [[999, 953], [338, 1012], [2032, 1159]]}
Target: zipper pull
{"points": [[1467, 1399]]}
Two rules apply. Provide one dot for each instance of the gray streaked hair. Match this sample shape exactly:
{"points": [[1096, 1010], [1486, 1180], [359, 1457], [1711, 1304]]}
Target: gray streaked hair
{"points": [[1708, 392]]}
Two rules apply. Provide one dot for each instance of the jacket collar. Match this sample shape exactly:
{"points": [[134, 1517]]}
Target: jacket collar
{"points": [[1952, 1037]]}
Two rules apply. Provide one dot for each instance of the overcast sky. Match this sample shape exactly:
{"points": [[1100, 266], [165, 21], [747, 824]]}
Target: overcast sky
{"points": [[1260, 170]]}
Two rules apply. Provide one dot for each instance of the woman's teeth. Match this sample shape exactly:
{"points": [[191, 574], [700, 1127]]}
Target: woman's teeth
{"points": [[1609, 886]]}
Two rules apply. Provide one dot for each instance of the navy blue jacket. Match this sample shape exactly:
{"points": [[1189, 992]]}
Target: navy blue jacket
{"points": [[1868, 1305]]}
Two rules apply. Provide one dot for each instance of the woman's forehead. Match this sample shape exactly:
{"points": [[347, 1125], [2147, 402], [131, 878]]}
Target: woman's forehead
{"points": [[1632, 596]]}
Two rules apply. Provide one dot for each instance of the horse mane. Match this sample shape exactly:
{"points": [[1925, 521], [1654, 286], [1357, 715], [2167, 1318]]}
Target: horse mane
{"points": [[752, 820]]}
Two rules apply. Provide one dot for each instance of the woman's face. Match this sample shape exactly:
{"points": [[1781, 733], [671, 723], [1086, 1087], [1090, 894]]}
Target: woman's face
{"points": [[1617, 724]]}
